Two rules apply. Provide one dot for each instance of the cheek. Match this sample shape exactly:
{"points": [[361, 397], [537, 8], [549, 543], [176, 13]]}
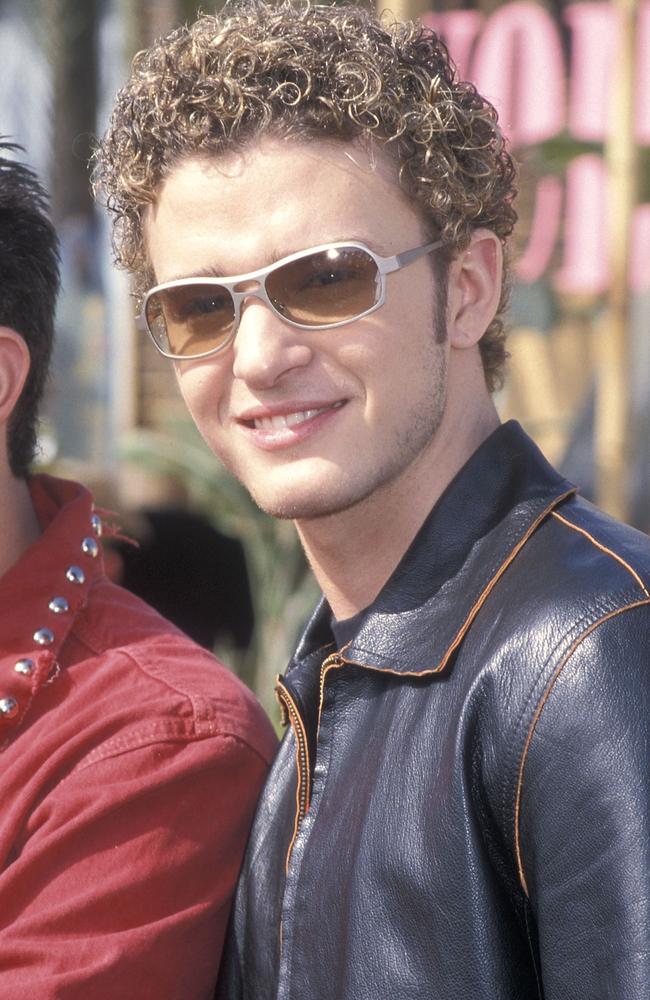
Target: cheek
{"points": [[202, 390]]}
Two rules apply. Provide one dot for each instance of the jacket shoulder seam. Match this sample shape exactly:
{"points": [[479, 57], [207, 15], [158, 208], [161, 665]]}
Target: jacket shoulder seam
{"points": [[156, 735], [492, 579], [209, 713], [604, 548], [535, 719], [131, 653], [496, 576]]}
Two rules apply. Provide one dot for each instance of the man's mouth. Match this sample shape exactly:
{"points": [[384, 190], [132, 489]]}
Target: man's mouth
{"points": [[281, 420], [285, 419]]}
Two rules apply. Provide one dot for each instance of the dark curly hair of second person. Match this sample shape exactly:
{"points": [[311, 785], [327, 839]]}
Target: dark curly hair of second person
{"points": [[29, 286], [305, 72]]}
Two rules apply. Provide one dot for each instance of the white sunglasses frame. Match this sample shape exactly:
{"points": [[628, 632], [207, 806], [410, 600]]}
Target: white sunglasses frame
{"points": [[385, 265]]}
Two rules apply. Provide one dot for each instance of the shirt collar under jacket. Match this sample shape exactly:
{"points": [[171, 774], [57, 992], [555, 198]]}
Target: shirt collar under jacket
{"points": [[42, 594], [467, 542]]}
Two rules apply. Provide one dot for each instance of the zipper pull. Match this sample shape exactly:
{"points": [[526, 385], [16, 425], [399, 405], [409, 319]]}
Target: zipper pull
{"points": [[284, 711], [333, 660]]}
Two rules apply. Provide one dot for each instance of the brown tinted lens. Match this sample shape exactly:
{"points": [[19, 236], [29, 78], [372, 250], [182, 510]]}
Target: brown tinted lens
{"points": [[325, 287], [190, 319]]}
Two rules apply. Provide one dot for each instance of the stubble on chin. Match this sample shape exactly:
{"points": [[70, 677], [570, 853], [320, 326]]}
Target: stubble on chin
{"points": [[301, 506], [338, 491]]}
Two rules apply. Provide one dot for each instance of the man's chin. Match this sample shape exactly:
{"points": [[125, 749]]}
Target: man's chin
{"points": [[309, 506], [301, 510]]}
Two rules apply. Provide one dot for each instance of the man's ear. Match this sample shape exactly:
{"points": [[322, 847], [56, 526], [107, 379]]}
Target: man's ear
{"points": [[14, 368], [474, 289]]}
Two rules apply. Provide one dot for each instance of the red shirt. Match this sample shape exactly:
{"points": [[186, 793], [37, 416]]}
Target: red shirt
{"points": [[131, 763]]}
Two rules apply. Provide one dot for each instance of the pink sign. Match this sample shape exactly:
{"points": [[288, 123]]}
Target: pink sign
{"points": [[516, 57]]}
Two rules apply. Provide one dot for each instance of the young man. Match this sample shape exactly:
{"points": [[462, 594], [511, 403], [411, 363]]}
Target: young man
{"points": [[317, 212], [131, 759]]}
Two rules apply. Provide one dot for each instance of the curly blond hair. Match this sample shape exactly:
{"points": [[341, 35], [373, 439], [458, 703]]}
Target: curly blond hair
{"points": [[310, 72]]}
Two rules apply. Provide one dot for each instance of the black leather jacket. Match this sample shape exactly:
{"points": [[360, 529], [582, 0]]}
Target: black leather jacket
{"points": [[461, 801]]}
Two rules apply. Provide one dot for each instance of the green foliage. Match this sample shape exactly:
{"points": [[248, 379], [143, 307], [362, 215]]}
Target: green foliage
{"points": [[283, 588], [557, 153]]}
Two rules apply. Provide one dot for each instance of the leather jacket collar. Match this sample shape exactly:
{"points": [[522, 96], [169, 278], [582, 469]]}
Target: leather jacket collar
{"points": [[467, 542]]}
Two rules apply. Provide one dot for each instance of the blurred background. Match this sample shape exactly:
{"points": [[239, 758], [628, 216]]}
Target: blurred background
{"points": [[571, 82]]}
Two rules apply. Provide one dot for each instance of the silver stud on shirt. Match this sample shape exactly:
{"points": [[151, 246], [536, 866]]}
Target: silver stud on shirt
{"points": [[24, 667], [44, 636], [8, 707], [90, 547], [58, 605], [75, 574], [96, 524]]}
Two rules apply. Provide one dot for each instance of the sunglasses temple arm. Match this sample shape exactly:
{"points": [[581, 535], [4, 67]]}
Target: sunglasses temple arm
{"points": [[404, 259]]}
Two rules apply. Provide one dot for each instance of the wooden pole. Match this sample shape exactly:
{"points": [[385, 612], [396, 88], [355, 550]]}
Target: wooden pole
{"points": [[612, 424], [71, 27]]}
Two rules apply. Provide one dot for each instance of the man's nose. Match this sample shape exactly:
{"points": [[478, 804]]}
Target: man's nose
{"points": [[265, 347]]}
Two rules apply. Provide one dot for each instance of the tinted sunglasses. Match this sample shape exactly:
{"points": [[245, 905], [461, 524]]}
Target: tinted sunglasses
{"points": [[317, 289]]}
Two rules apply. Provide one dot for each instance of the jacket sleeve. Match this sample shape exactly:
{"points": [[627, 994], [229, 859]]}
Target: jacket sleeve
{"points": [[584, 823], [122, 884]]}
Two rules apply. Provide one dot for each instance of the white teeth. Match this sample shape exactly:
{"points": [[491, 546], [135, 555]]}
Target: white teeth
{"points": [[288, 419], [297, 418]]}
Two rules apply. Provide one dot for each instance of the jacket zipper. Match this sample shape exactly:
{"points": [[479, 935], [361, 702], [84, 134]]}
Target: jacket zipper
{"points": [[331, 663], [291, 714]]}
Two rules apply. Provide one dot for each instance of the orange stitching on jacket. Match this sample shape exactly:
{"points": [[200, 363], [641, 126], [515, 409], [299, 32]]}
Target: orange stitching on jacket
{"points": [[603, 548], [479, 603], [296, 821], [499, 573], [296, 824], [535, 720], [340, 661]]}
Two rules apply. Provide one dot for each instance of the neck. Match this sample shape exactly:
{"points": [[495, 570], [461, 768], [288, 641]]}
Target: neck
{"points": [[21, 524], [354, 552]]}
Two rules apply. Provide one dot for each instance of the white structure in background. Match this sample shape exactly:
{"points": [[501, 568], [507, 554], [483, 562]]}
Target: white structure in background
{"points": [[91, 399], [25, 85], [119, 310]]}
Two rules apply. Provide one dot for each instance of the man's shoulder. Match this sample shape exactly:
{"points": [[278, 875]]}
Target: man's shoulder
{"points": [[594, 597], [583, 565], [578, 592], [562, 650], [146, 659], [575, 740], [612, 544]]}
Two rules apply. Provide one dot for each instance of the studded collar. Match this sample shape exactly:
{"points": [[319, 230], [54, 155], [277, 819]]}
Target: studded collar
{"points": [[44, 591]]}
